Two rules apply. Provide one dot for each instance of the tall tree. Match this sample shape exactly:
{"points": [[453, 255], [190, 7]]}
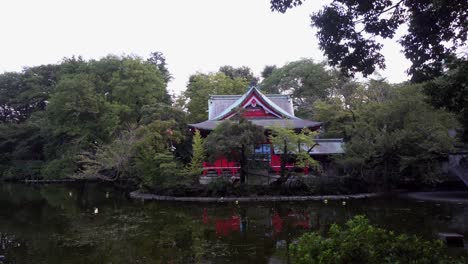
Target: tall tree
{"points": [[288, 142], [450, 92], [243, 72], [158, 59], [137, 84], [201, 86], [348, 32], [267, 71], [304, 80]]}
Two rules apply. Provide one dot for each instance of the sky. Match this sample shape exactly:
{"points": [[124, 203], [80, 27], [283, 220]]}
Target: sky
{"points": [[194, 36]]}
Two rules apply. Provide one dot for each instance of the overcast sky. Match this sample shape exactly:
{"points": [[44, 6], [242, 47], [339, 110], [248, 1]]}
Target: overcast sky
{"points": [[194, 36]]}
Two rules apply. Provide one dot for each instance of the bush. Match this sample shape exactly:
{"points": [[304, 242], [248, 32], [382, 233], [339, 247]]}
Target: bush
{"points": [[360, 242]]}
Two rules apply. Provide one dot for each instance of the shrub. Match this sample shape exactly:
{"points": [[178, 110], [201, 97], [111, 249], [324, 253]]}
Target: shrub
{"points": [[360, 242]]}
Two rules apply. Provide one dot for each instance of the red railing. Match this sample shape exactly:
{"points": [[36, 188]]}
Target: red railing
{"points": [[221, 165]]}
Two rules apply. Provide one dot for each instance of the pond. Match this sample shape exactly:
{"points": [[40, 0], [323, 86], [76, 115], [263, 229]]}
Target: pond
{"points": [[90, 223]]}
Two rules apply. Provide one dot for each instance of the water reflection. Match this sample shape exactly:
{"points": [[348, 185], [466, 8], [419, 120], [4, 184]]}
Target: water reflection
{"points": [[45, 224]]}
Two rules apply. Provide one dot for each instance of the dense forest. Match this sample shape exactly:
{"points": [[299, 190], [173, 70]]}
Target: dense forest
{"points": [[113, 118]]}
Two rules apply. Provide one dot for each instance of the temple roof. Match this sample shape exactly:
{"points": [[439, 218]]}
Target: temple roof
{"points": [[326, 146], [289, 123], [275, 110], [221, 105]]}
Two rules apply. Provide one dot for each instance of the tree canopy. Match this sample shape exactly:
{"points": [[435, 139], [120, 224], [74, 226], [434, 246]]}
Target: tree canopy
{"points": [[349, 32], [201, 86], [235, 140]]}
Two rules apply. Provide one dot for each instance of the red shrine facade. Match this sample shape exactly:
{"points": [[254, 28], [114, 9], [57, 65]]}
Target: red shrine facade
{"points": [[260, 109]]}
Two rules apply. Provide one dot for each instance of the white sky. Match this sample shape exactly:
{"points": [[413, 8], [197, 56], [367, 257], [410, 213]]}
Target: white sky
{"points": [[193, 35]]}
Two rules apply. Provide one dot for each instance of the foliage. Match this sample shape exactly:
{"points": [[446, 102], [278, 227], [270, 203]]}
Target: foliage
{"points": [[349, 30], [304, 80], [334, 117], [243, 72], [450, 92], [159, 61], [361, 242], [137, 84], [201, 86], [155, 163], [393, 135], [268, 70], [50, 114], [234, 140], [198, 153], [76, 110], [113, 161], [288, 142]]}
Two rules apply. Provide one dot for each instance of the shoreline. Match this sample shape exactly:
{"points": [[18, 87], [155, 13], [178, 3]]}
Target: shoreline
{"points": [[440, 196], [153, 197]]}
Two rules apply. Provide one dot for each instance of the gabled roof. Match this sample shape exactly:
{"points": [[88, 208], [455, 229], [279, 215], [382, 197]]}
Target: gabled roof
{"points": [[218, 103], [289, 123], [326, 146], [252, 91]]}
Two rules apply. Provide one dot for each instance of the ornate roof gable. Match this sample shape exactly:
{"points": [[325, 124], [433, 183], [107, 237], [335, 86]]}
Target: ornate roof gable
{"points": [[256, 105]]}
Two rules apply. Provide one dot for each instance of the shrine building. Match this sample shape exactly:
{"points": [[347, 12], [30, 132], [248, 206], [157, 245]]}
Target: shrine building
{"points": [[265, 110]]}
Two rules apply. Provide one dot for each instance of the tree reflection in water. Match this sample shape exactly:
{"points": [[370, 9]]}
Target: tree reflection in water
{"points": [[48, 225]]}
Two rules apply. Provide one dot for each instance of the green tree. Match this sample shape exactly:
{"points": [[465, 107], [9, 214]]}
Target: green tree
{"points": [[349, 30], [155, 163], [201, 86], [113, 161], [268, 70], [137, 84], [401, 139], [159, 61], [76, 110], [360, 242], [304, 80], [290, 142], [243, 72], [235, 140], [450, 92], [199, 155]]}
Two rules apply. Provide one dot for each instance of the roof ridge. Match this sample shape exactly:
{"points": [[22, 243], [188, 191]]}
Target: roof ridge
{"points": [[253, 89]]}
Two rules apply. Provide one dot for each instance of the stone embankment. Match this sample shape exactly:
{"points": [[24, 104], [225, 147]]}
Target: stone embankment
{"points": [[149, 196]]}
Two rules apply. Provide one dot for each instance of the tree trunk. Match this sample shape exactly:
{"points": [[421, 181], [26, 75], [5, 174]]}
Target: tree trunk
{"points": [[242, 165], [283, 159]]}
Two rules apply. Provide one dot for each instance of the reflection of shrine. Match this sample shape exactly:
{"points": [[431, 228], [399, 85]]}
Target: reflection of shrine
{"points": [[224, 227], [292, 219], [277, 222]]}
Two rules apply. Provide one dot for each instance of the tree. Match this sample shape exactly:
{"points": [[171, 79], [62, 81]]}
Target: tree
{"points": [[360, 242], [243, 72], [201, 86], [399, 140], [348, 32], [235, 140], [76, 110], [137, 84], [289, 142], [450, 92], [199, 155], [156, 166], [22, 94], [304, 80], [113, 161], [159, 60], [268, 70]]}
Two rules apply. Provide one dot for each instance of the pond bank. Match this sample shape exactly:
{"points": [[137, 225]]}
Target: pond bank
{"points": [[440, 196], [149, 196]]}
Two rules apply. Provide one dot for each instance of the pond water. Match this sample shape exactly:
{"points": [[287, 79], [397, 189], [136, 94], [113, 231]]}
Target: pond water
{"points": [[90, 223]]}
